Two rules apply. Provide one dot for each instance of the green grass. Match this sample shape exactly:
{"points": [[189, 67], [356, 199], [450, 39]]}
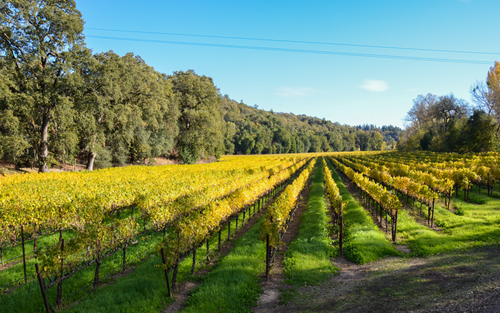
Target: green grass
{"points": [[142, 290], [15, 272], [28, 298], [307, 260], [233, 286], [472, 225], [364, 242]]}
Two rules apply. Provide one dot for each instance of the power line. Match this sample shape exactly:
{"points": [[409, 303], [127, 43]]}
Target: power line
{"points": [[368, 55], [296, 41]]}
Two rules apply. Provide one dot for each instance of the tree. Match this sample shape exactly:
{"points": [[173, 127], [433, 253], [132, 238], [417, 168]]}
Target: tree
{"points": [[39, 41], [336, 142], [479, 133], [245, 143], [12, 142], [283, 137], [493, 82], [483, 97], [293, 147], [426, 141], [420, 112], [200, 121], [376, 140], [229, 137], [125, 110], [449, 108]]}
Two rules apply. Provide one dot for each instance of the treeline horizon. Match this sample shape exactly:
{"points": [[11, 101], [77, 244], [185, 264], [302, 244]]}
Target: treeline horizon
{"points": [[59, 101]]}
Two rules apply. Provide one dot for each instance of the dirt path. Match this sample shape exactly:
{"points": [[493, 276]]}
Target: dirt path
{"points": [[458, 282], [270, 297]]}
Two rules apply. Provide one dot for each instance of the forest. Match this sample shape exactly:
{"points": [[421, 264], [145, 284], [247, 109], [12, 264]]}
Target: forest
{"points": [[60, 103]]}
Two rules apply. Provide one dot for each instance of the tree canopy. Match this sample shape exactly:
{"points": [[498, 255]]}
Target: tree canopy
{"points": [[448, 124]]}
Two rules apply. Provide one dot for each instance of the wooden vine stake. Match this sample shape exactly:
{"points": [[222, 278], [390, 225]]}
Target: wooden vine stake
{"points": [[36, 237], [208, 250], [98, 264], [24, 255], [432, 219], [194, 259], [59, 284], [164, 260], [268, 257], [124, 261], [220, 231], [42, 288], [394, 224], [174, 274], [341, 232]]}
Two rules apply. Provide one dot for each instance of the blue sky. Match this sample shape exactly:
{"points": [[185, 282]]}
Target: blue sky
{"points": [[346, 89]]}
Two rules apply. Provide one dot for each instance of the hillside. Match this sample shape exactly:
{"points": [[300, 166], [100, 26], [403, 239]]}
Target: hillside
{"points": [[250, 130]]}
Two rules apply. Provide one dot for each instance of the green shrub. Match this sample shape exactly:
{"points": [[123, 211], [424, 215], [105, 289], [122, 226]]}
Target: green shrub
{"points": [[442, 224], [459, 211], [476, 199]]}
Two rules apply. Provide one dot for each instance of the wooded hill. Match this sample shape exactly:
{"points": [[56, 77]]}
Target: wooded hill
{"points": [[250, 130]]}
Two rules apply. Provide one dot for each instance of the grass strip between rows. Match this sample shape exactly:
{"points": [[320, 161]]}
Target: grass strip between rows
{"points": [[307, 260], [364, 242], [233, 286]]}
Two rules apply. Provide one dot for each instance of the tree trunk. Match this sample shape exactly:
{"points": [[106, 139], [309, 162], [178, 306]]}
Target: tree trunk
{"points": [[90, 162], [44, 153]]}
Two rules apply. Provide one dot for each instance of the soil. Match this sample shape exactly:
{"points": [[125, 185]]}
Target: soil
{"points": [[9, 168], [459, 282]]}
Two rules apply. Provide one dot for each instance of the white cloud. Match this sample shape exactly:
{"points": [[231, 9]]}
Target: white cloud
{"points": [[412, 89], [375, 85], [292, 92]]}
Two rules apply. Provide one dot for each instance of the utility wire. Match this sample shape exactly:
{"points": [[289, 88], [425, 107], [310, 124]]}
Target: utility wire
{"points": [[294, 41], [368, 55]]}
